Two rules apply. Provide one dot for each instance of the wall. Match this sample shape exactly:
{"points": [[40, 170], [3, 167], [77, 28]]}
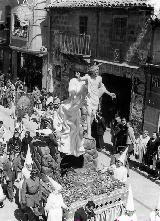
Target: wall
{"points": [[100, 27], [156, 46], [37, 30], [152, 104], [3, 4], [133, 49]]}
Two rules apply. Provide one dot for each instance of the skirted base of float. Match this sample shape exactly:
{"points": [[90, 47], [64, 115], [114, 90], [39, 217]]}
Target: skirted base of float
{"points": [[107, 207]]}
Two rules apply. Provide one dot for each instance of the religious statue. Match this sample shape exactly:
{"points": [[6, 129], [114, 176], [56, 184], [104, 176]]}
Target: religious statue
{"points": [[95, 90], [83, 91]]}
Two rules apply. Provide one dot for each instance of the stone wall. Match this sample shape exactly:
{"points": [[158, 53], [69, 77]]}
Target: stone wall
{"points": [[100, 27]]}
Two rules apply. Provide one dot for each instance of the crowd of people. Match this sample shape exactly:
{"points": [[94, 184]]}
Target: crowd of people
{"points": [[144, 148], [17, 164], [9, 91]]}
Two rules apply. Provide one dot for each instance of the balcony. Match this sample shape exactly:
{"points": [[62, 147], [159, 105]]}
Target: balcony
{"points": [[4, 36], [72, 44]]}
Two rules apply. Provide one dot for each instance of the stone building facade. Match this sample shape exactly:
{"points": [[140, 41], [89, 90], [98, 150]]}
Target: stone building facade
{"points": [[5, 51], [29, 42], [119, 37], [152, 103]]}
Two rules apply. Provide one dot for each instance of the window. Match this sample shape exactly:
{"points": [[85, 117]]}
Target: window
{"points": [[83, 20], [18, 30], [119, 29]]}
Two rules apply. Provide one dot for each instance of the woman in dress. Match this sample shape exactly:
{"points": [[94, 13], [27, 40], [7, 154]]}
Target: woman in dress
{"points": [[141, 145], [55, 204]]}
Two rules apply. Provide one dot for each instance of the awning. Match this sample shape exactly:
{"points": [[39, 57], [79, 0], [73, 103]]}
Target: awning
{"points": [[124, 64]]}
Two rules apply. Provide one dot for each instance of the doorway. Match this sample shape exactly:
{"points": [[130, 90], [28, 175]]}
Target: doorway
{"points": [[122, 87]]}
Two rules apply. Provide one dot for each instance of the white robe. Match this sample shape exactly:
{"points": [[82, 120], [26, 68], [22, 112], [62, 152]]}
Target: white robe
{"points": [[2, 196], [127, 218], [54, 207], [120, 173], [154, 217], [25, 175]]}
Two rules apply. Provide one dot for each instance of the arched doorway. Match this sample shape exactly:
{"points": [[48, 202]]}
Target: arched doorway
{"points": [[122, 87]]}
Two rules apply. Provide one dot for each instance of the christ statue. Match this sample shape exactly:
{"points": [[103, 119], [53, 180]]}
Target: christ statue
{"points": [[95, 90]]}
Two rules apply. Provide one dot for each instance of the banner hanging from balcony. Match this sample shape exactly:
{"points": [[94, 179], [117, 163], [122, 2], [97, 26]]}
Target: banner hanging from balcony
{"points": [[24, 14]]}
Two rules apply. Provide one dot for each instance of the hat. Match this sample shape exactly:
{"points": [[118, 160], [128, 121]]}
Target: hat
{"points": [[28, 159], [130, 203], [55, 185], [158, 203], [123, 156]]}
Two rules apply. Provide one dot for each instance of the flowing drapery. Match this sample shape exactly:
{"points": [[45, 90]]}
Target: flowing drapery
{"points": [[69, 112]]}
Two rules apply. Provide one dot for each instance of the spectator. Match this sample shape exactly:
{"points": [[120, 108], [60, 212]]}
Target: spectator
{"points": [[151, 152], [100, 127], [25, 142], [43, 98], [2, 130], [158, 162], [115, 131], [122, 134], [14, 143], [2, 196], [8, 169], [36, 96], [131, 141], [141, 145], [49, 99], [86, 213]]}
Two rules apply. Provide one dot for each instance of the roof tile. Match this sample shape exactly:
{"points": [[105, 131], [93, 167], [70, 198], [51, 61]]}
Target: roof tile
{"points": [[97, 3]]}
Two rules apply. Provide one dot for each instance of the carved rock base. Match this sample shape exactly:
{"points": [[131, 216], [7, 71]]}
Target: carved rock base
{"points": [[91, 155]]}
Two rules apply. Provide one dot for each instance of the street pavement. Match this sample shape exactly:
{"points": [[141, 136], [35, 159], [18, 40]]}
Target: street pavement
{"points": [[144, 190]]}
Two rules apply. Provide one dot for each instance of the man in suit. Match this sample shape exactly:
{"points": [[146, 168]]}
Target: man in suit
{"points": [[116, 131], [100, 129]]}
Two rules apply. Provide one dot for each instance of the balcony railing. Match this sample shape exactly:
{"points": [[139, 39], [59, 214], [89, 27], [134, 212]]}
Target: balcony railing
{"points": [[4, 36], [73, 44]]}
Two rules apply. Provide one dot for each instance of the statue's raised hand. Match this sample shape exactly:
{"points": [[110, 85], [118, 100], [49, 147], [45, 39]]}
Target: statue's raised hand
{"points": [[113, 95]]}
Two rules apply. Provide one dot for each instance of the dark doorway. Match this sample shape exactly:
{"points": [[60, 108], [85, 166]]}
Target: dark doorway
{"points": [[122, 87], [31, 72]]}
